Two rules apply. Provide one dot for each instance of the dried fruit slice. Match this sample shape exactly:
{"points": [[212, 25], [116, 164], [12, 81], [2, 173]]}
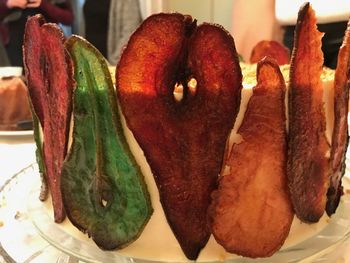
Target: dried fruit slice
{"points": [[251, 212], [183, 139], [49, 73], [340, 130], [272, 49], [103, 189], [308, 165]]}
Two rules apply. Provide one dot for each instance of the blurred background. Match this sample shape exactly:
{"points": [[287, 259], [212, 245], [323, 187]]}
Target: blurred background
{"points": [[204, 10]]}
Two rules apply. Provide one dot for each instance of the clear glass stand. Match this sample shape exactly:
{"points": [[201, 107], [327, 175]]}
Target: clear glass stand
{"points": [[28, 233]]}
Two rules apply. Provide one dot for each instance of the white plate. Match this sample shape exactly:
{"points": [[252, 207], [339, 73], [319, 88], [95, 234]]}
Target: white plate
{"points": [[11, 71], [24, 133]]}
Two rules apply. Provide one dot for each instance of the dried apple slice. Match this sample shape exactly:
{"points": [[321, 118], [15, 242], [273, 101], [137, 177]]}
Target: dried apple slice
{"points": [[340, 130], [182, 139], [272, 49], [251, 212], [49, 73], [308, 164]]}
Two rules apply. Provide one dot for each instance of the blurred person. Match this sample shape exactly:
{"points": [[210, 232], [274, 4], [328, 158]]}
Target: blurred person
{"points": [[124, 18], [252, 21], [108, 24], [78, 23], [256, 20], [96, 23], [149, 7], [4, 59], [14, 14]]}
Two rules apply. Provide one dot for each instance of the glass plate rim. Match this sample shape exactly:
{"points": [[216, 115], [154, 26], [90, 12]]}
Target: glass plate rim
{"points": [[289, 252], [11, 183]]}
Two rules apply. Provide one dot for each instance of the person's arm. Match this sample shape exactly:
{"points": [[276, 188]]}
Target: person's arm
{"points": [[252, 21], [58, 14], [7, 5]]}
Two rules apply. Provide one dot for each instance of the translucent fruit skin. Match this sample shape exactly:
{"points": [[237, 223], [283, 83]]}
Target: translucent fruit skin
{"points": [[308, 167], [183, 141], [340, 132], [49, 73], [103, 189], [251, 212]]}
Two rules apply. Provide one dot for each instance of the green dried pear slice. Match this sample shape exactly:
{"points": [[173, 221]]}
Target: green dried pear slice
{"points": [[104, 192]]}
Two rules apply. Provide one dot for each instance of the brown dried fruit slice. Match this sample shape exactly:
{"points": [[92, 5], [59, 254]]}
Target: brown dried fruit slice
{"points": [[340, 130], [251, 212], [184, 140], [308, 166], [272, 49], [49, 73]]}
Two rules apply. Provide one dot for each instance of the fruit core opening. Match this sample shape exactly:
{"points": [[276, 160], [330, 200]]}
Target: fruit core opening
{"points": [[179, 89]]}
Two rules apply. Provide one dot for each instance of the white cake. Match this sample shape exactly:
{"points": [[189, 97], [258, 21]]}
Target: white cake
{"points": [[157, 242]]}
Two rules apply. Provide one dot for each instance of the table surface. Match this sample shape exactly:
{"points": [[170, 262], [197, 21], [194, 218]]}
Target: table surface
{"points": [[18, 152]]}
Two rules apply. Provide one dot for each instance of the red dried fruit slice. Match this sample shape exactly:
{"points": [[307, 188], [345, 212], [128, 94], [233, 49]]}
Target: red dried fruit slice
{"points": [[272, 49], [308, 166], [340, 130], [49, 73], [251, 212], [184, 140]]}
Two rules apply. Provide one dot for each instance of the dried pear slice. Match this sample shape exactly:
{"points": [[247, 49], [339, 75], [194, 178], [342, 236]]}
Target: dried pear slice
{"points": [[308, 164], [271, 49], [340, 131], [183, 139], [49, 74], [251, 212], [103, 189]]}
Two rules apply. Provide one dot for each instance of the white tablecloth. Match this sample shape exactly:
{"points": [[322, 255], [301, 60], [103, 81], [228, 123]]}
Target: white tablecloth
{"points": [[16, 152]]}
